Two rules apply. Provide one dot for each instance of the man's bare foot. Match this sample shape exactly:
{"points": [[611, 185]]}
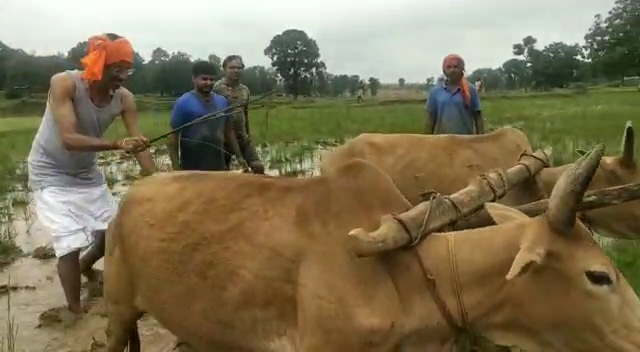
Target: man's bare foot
{"points": [[80, 309], [58, 315]]}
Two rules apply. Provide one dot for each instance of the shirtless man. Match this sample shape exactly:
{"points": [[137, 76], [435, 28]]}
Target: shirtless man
{"points": [[71, 196], [237, 93]]}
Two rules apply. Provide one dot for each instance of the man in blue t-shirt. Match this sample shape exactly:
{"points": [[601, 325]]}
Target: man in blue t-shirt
{"points": [[201, 146], [453, 107]]}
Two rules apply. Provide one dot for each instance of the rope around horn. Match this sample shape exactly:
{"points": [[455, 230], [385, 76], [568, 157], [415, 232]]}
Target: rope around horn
{"points": [[437, 200], [434, 197]]}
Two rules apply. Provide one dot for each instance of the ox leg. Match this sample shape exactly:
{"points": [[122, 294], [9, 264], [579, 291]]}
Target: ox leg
{"points": [[121, 325]]}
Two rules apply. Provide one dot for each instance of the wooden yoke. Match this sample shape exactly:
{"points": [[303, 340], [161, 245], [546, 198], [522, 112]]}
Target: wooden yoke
{"points": [[411, 226], [592, 200]]}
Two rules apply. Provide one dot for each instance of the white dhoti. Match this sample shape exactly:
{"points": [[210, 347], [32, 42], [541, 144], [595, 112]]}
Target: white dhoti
{"points": [[73, 215]]}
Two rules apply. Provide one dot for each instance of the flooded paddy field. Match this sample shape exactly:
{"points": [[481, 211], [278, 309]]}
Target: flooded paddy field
{"points": [[36, 318], [35, 311]]}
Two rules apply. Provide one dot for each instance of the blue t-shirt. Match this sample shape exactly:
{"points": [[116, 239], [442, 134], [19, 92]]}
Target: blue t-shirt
{"points": [[452, 117], [202, 144]]}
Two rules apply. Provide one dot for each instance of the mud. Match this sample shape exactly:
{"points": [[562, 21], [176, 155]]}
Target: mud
{"points": [[7, 288], [43, 253], [37, 304]]}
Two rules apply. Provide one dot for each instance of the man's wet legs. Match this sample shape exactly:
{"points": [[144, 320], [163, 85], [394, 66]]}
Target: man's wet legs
{"points": [[69, 274], [71, 266], [95, 252]]}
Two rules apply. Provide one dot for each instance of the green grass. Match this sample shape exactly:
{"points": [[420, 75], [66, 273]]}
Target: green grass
{"points": [[564, 120], [18, 123], [585, 119], [9, 337]]}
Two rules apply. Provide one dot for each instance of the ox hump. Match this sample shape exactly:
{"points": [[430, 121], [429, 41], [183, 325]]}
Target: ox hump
{"points": [[364, 175]]}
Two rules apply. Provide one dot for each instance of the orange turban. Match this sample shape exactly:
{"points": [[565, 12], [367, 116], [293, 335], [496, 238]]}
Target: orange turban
{"points": [[464, 84], [103, 51]]}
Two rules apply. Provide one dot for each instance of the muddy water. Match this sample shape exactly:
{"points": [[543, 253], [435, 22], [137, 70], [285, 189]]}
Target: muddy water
{"points": [[39, 292], [37, 301]]}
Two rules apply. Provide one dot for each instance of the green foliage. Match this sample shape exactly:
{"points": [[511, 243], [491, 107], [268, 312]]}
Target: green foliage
{"points": [[259, 79], [297, 70], [169, 73], [611, 52], [612, 42], [216, 60], [547, 118], [296, 58], [374, 86]]}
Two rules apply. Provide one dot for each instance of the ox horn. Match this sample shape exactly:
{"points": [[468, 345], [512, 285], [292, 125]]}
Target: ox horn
{"points": [[570, 188], [628, 143]]}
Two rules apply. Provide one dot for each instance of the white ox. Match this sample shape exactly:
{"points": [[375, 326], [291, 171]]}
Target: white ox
{"points": [[445, 163], [274, 270]]}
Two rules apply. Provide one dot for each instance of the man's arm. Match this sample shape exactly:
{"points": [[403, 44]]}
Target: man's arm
{"points": [[230, 136], [246, 118], [476, 110], [178, 118], [130, 120], [245, 110], [432, 113], [61, 92]]}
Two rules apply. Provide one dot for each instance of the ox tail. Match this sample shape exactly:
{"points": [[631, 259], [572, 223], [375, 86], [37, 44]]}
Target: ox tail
{"points": [[134, 339]]}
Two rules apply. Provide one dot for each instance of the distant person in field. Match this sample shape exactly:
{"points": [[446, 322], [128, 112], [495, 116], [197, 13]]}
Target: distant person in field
{"points": [[238, 94], [71, 197], [360, 98], [202, 145], [453, 107], [479, 86]]}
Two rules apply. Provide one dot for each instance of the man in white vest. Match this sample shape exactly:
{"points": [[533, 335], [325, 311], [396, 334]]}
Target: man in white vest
{"points": [[71, 196]]}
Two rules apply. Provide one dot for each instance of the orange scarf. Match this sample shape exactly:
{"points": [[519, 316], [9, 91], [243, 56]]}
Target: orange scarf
{"points": [[102, 51], [464, 84]]}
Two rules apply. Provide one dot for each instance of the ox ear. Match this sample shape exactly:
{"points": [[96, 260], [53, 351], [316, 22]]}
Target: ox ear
{"points": [[531, 252], [502, 214], [527, 257]]}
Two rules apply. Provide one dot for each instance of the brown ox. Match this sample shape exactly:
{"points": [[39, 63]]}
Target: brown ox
{"points": [[445, 163], [276, 271]]}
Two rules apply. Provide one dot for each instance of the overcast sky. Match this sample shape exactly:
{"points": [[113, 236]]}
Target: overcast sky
{"points": [[383, 38]]}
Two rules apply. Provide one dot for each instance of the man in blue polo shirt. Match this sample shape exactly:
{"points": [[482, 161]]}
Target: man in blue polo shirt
{"points": [[453, 107], [201, 146]]}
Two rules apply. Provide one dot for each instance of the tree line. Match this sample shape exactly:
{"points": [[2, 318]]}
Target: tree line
{"points": [[611, 52], [296, 69]]}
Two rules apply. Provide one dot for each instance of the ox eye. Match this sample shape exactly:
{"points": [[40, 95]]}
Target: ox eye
{"points": [[599, 278]]}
